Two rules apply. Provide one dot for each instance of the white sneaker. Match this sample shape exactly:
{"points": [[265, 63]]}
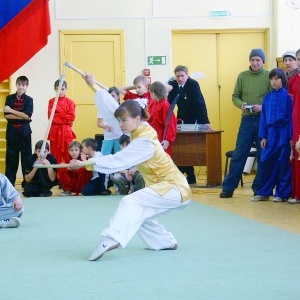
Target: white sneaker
{"points": [[105, 244], [278, 199], [293, 201], [13, 222], [259, 198], [66, 193]]}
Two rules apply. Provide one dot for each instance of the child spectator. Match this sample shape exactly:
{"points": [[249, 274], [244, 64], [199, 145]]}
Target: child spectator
{"points": [[11, 206], [61, 133], [115, 93], [73, 181], [110, 125], [130, 179], [18, 111], [96, 185], [141, 86], [166, 133], [39, 181], [275, 130]]}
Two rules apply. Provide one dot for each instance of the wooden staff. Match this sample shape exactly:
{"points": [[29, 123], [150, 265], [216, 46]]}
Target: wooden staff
{"points": [[67, 64], [61, 81], [87, 163]]}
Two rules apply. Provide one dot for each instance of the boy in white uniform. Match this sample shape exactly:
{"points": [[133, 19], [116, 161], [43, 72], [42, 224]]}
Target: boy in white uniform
{"points": [[11, 206]]}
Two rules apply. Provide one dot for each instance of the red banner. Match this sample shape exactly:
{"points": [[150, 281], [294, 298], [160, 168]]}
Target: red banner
{"points": [[23, 35]]}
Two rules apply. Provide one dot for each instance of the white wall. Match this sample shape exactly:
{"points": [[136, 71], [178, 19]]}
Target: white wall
{"points": [[147, 29]]}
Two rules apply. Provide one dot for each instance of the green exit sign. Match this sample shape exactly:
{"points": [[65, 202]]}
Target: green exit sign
{"points": [[156, 60], [220, 13]]}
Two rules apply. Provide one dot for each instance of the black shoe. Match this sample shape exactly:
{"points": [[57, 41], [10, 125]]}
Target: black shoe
{"points": [[226, 194], [191, 180], [45, 194], [105, 193]]}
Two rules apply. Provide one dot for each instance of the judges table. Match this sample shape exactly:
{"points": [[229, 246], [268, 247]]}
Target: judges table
{"points": [[197, 148]]}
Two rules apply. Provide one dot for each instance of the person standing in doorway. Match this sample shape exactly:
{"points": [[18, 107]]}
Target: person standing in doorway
{"points": [[191, 107], [61, 132], [18, 111], [250, 88]]}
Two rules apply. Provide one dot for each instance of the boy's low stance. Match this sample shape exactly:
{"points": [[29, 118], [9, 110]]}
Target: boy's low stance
{"points": [[130, 179], [96, 185], [11, 206], [38, 182]]}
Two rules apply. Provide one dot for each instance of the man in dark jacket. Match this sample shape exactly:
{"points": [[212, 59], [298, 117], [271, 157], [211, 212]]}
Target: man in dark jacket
{"points": [[191, 106]]}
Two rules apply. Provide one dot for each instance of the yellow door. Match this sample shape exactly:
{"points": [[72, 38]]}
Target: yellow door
{"points": [[215, 59], [99, 53], [198, 53], [233, 58], [4, 92]]}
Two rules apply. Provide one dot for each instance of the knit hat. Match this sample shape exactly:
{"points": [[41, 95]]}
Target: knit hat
{"points": [[289, 53], [258, 52]]}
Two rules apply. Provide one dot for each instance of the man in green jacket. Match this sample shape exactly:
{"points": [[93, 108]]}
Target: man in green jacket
{"points": [[250, 88]]}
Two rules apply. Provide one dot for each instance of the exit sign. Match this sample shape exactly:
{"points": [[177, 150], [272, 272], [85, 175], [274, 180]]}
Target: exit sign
{"points": [[220, 13], [156, 60]]}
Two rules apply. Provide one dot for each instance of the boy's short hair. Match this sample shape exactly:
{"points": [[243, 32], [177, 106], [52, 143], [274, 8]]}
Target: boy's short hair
{"points": [[75, 144], [114, 89], [124, 139], [39, 145], [158, 89], [181, 68], [141, 79], [22, 79], [56, 83], [280, 74], [89, 142]]}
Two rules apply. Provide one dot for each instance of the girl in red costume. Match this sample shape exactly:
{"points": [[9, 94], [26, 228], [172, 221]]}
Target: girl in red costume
{"points": [[61, 133]]}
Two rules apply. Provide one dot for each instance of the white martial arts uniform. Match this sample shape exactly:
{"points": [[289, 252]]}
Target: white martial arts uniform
{"points": [[106, 107], [166, 190]]}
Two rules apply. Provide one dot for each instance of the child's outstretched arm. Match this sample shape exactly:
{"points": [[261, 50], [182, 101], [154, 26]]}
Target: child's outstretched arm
{"points": [[124, 89]]}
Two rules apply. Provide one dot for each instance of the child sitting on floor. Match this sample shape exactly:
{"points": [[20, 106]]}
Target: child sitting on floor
{"points": [[38, 182], [96, 185], [11, 205], [130, 179], [73, 181]]}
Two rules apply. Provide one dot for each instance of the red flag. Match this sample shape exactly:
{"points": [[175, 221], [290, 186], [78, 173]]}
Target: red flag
{"points": [[23, 32]]}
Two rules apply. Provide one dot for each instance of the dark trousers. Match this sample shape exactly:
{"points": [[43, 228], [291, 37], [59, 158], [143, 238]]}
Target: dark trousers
{"points": [[190, 172], [95, 186], [40, 185], [15, 145]]}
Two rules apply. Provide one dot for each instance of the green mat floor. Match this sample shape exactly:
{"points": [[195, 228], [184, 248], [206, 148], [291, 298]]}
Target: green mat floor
{"points": [[220, 256]]}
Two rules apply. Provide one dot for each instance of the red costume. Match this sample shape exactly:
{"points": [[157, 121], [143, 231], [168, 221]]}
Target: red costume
{"points": [[158, 122], [158, 115], [74, 180], [61, 133], [294, 90], [131, 96]]}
